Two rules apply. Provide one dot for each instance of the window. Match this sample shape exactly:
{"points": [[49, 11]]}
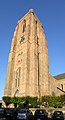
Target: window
{"points": [[62, 86], [16, 93], [18, 77], [21, 55], [24, 26], [37, 41], [53, 93], [36, 21], [18, 58], [21, 39]]}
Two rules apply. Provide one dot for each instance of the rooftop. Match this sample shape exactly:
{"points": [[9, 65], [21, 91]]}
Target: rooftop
{"points": [[60, 76]]}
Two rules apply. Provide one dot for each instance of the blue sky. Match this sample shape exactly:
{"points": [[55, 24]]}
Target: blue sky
{"points": [[51, 13]]}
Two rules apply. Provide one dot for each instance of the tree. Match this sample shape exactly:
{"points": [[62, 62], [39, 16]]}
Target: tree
{"points": [[7, 99]]}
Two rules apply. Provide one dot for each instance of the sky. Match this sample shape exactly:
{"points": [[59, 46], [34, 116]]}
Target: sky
{"points": [[51, 13]]}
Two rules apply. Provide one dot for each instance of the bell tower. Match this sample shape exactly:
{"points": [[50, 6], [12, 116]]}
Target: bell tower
{"points": [[27, 71]]}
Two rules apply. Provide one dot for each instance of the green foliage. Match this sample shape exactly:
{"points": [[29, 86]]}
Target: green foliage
{"points": [[6, 99], [54, 101], [62, 99], [17, 100], [31, 100], [51, 100]]}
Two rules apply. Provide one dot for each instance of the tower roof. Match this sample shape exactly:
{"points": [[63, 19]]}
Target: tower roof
{"points": [[30, 11], [60, 76]]}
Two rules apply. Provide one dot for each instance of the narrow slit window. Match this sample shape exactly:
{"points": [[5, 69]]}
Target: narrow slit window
{"points": [[18, 77], [24, 26], [62, 86]]}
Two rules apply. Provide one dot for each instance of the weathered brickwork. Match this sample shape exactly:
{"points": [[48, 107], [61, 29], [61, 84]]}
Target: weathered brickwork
{"points": [[27, 72], [57, 84], [28, 69]]}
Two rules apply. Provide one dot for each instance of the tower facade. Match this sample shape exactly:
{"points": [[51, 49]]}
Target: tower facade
{"points": [[28, 71]]}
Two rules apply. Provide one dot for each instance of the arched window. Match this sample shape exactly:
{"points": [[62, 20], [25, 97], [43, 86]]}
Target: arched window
{"points": [[24, 26], [16, 93], [18, 77]]}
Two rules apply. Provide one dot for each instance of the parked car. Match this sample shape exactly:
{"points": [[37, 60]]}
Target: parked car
{"points": [[40, 114], [9, 113], [58, 115], [15, 112], [1, 112], [24, 114]]}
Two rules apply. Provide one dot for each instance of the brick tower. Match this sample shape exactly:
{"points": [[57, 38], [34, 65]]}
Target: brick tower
{"points": [[27, 71]]}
